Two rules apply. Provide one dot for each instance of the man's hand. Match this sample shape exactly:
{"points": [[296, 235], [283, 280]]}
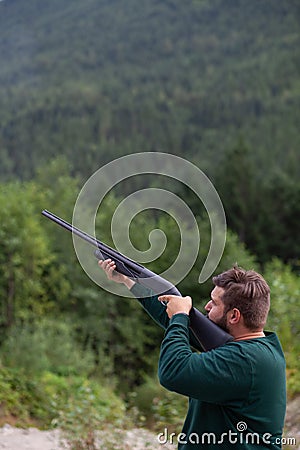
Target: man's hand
{"points": [[176, 304], [109, 268]]}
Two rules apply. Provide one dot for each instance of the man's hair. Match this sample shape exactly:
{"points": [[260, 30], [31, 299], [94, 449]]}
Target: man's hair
{"points": [[247, 291]]}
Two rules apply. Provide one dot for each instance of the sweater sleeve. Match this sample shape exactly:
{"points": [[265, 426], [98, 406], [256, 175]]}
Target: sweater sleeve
{"points": [[218, 376], [155, 309], [149, 301]]}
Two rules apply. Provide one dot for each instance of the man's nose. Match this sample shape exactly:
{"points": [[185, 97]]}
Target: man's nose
{"points": [[207, 307]]}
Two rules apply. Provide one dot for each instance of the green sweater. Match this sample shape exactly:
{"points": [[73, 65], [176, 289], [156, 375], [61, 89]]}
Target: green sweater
{"points": [[237, 394]]}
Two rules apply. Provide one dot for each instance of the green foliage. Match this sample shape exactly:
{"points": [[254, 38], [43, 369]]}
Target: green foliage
{"points": [[159, 406], [88, 91], [113, 79], [46, 345], [224, 95], [82, 393], [9, 398], [284, 317], [262, 212], [22, 397], [31, 282], [89, 409], [236, 183], [73, 403], [278, 225], [24, 255]]}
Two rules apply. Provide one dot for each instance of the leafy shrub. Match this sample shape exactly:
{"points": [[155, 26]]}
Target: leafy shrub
{"points": [[160, 406], [22, 397], [74, 403], [88, 408], [49, 345], [284, 317]]}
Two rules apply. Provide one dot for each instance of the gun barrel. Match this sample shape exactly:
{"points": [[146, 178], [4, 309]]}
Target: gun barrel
{"points": [[69, 227], [110, 252]]}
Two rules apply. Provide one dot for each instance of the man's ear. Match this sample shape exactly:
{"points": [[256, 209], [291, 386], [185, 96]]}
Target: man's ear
{"points": [[234, 316]]}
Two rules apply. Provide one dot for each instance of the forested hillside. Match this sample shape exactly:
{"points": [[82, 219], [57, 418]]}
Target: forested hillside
{"points": [[216, 82], [99, 79]]}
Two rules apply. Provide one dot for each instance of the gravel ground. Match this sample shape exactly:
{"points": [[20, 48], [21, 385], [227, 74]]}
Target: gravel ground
{"points": [[292, 422], [12, 438]]}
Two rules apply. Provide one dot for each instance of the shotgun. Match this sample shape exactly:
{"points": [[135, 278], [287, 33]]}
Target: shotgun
{"points": [[205, 334]]}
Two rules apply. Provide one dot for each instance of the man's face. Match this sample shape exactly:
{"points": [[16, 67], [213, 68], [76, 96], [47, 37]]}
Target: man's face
{"points": [[215, 308]]}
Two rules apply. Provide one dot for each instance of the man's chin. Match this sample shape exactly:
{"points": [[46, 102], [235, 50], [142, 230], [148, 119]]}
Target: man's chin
{"points": [[221, 323], [224, 327]]}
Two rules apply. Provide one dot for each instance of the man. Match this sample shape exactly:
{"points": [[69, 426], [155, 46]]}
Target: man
{"points": [[236, 392]]}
